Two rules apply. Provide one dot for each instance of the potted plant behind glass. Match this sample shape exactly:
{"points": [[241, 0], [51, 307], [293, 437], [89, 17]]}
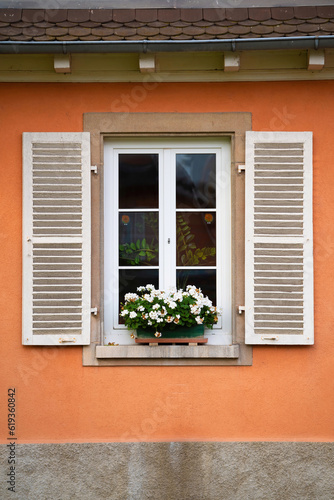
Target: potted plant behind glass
{"points": [[174, 314]]}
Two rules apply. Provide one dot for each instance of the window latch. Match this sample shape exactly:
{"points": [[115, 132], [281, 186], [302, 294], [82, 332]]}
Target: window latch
{"points": [[241, 168], [241, 309], [93, 169], [94, 311]]}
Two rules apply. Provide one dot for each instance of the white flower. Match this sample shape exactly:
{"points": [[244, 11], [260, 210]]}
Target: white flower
{"points": [[150, 287], [199, 320], [153, 315], [124, 312], [133, 314], [148, 297], [131, 297], [141, 308], [156, 306], [149, 322], [157, 334], [141, 289], [172, 305]]}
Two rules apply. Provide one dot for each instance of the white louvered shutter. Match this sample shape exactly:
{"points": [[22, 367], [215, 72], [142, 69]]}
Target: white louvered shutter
{"points": [[56, 238], [279, 247]]}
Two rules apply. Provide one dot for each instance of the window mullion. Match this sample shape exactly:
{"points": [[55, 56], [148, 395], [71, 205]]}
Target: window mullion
{"points": [[168, 225]]}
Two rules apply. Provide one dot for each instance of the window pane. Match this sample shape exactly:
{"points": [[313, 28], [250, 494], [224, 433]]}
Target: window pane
{"points": [[204, 279], [138, 181], [196, 239], [131, 279], [138, 238], [195, 181]]}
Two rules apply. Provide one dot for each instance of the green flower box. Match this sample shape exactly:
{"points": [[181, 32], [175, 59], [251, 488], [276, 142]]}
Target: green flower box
{"points": [[178, 332]]}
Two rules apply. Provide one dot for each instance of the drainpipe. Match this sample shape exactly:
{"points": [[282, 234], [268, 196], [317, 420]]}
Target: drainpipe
{"points": [[146, 46]]}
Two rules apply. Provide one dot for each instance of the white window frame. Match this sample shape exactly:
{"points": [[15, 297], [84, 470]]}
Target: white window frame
{"points": [[167, 149]]}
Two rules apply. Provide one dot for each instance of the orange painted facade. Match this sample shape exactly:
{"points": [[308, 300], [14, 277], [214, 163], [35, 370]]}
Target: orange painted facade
{"points": [[286, 395]]}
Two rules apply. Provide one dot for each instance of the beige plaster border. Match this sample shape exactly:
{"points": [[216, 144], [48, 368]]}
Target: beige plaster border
{"points": [[233, 125]]}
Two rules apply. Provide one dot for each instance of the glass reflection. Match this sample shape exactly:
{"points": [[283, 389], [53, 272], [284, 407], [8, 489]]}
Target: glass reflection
{"points": [[138, 181], [138, 239], [195, 239], [204, 279], [195, 180]]}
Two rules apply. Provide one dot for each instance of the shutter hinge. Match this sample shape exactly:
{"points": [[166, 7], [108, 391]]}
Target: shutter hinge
{"points": [[93, 169], [62, 340], [94, 311], [241, 309], [241, 168]]}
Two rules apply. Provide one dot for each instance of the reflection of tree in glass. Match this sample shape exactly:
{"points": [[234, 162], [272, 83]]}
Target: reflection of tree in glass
{"points": [[142, 252], [186, 252]]}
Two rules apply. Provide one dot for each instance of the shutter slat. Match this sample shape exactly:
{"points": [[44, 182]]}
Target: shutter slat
{"points": [[279, 259], [56, 239]]}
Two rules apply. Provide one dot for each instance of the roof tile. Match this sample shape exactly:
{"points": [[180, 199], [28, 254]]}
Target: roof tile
{"points": [[10, 15], [33, 31], [181, 37], [216, 30], [262, 30], [3, 38], [147, 31], [308, 28], [203, 23], [305, 12], [10, 31], [99, 32], [327, 27], [100, 15], [77, 31], [112, 24], [44, 38], [124, 15], [147, 15], [67, 38], [134, 24], [284, 28], [33, 15], [78, 16], [171, 31], [21, 38], [21, 24], [89, 24], [236, 14], [56, 31], [125, 32], [56, 16], [191, 15], [259, 14], [112, 38], [239, 30], [282, 13], [194, 30], [214, 14], [156, 24], [202, 37], [90, 38], [326, 11], [169, 15]]}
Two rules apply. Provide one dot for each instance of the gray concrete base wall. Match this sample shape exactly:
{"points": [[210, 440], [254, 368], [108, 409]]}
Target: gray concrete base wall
{"points": [[170, 471]]}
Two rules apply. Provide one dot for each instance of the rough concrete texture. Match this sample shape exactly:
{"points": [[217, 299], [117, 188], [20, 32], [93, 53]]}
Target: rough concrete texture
{"points": [[171, 471]]}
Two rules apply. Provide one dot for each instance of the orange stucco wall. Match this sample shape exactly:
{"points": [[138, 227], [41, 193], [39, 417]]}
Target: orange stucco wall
{"points": [[288, 392]]}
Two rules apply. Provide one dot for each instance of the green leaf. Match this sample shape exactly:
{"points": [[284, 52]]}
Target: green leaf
{"points": [[142, 254], [133, 246], [143, 243], [138, 244]]}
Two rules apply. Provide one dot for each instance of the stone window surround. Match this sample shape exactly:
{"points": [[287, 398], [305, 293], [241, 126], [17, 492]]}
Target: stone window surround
{"points": [[232, 125]]}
